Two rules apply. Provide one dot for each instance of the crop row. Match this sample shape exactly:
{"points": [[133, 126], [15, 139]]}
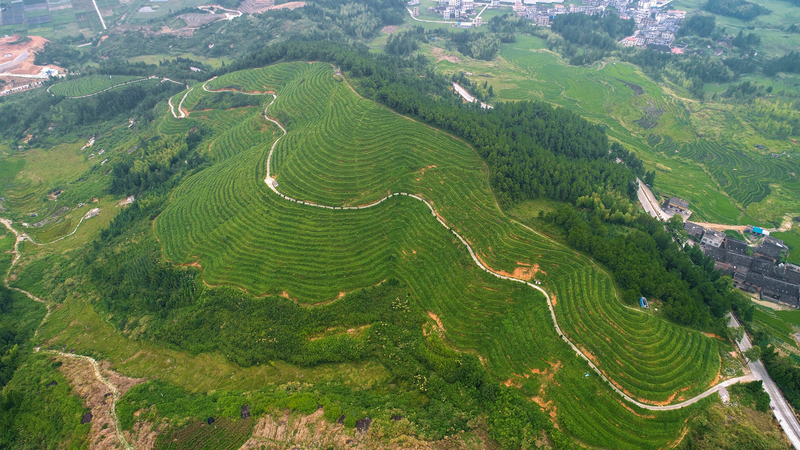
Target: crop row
{"points": [[744, 175], [341, 149], [89, 85], [221, 435], [259, 80], [646, 356]]}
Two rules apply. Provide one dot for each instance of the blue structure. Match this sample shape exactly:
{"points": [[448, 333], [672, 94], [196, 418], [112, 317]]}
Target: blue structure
{"points": [[643, 302]]}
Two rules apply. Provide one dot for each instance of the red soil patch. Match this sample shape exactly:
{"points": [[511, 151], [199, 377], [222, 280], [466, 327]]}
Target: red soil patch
{"points": [[437, 320], [711, 335], [589, 355], [553, 299], [25, 67], [634, 412]]}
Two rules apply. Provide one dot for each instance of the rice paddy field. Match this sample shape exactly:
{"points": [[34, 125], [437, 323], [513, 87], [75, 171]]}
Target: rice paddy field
{"points": [[703, 152], [342, 150], [91, 84]]}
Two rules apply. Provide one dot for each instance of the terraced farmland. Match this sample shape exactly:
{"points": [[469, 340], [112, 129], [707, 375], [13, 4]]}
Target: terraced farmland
{"points": [[744, 176], [344, 150], [645, 356], [91, 84]]}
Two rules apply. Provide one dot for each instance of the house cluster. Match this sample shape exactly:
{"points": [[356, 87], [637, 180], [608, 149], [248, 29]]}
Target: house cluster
{"points": [[756, 270], [543, 14], [653, 25], [460, 10]]}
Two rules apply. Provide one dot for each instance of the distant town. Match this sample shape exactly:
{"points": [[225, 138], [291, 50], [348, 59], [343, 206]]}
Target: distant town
{"points": [[654, 25]]}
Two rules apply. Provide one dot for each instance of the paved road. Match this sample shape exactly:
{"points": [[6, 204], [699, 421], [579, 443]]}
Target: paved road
{"points": [[780, 407], [649, 202]]}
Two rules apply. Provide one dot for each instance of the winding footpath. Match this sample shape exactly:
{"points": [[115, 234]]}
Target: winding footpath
{"points": [[15, 259], [273, 185]]}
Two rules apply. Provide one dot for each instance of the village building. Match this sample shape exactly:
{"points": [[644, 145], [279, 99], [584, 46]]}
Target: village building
{"points": [[694, 230], [675, 205], [713, 238], [759, 274]]}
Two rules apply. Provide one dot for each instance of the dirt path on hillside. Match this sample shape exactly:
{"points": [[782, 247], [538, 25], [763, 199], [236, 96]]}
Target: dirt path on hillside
{"points": [[269, 180], [101, 379]]}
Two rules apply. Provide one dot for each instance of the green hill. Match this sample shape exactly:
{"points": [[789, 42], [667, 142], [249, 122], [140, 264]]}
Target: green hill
{"points": [[342, 150]]}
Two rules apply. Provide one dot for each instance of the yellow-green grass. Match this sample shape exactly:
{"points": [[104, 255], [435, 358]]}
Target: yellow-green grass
{"points": [[155, 59], [91, 84], [792, 317], [344, 150], [792, 240], [31, 174], [77, 325], [780, 331]]}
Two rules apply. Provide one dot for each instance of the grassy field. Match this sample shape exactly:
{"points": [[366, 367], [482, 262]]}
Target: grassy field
{"points": [[791, 239], [344, 150], [703, 152], [91, 84]]}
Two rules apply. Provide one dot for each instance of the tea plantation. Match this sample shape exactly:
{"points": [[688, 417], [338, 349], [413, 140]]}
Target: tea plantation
{"points": [[343, 150]]}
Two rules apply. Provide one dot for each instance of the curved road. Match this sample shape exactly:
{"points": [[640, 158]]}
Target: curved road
{"points": [[780, 407]]}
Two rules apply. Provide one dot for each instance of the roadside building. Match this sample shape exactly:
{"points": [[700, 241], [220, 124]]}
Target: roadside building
{"points": [[675, 205]]}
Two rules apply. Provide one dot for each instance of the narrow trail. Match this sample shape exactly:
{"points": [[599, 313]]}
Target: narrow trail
{"points": [[108, 384], [273, 185], [109, 88], [15, 259]]}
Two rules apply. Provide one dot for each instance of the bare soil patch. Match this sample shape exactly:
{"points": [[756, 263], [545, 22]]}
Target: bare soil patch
{"points": [[289, 431], [389, 29], [195, 20], [97, 397], [25, 65], [437, 320], [440, 55], [259, 6]]}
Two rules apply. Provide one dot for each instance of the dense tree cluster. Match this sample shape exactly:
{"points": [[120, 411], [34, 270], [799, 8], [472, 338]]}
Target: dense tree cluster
{"points": [[698, 25], [586, 39], [746, 42], [645, 261], [740, 9], [789, 63], [784, 372], [404, 43]]}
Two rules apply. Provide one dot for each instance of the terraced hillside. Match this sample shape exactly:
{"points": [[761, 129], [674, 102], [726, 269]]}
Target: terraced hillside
{"points": [[91, 84], [587, 308], [343, 150]]}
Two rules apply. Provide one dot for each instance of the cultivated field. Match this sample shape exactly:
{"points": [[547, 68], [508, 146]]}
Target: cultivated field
{"points": [[342, 150], [91, 84], [704, 152]]}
